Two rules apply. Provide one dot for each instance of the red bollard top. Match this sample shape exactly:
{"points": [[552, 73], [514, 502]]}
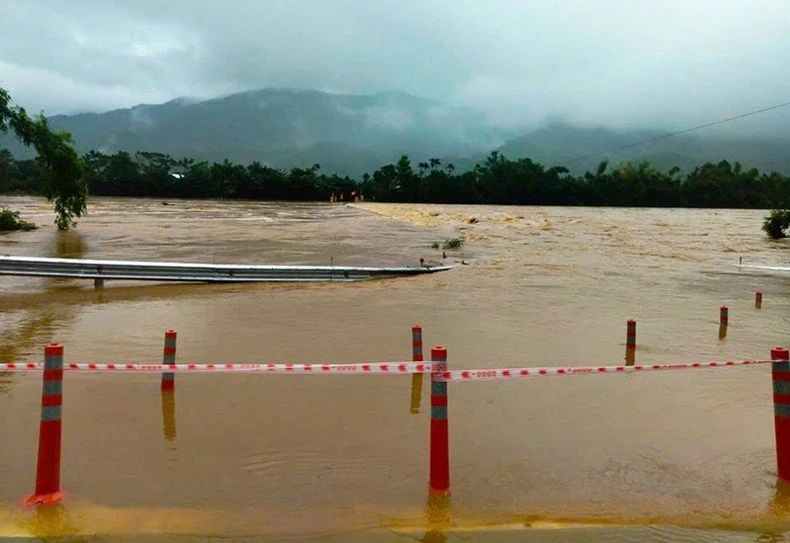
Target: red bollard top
{"points": [[780, 353], [53, 349], [631, 322], [439, 353], [416, 328], [170, 334]]}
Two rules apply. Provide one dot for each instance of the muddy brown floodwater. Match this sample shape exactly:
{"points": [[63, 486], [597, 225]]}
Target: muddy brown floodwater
{"points": [[675, 456]]}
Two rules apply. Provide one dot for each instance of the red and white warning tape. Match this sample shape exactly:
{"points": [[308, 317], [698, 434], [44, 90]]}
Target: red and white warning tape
{"points": [[375, 367], [520, 373], [380, 367]]}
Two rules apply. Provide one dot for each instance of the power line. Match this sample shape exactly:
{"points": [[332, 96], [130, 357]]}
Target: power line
{"points": [[686, 131]]}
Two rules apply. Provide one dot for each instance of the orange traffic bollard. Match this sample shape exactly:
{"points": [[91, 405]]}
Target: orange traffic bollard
{"points": [[169, 378], [630, 343], [417, 378], [50, 431], [780, 375], [439, 481]]}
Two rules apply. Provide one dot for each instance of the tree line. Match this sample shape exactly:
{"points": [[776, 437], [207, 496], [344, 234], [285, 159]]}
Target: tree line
{"points": [[496, 180]]}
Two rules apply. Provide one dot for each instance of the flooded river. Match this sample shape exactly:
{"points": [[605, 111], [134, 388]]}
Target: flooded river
{"points": [[675, 456]]}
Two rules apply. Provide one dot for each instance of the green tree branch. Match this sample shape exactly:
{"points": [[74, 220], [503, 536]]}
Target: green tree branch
{"points": [[60, 167]]}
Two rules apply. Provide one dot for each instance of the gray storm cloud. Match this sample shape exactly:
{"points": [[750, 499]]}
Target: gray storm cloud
{"points": [[664, 64]]}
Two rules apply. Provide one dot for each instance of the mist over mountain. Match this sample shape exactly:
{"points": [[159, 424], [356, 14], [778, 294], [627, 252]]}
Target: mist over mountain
{"points": [[348, 134], [351, 134], [573, 146]]}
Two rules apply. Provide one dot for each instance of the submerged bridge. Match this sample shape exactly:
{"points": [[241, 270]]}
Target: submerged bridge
{"points": [[102, 270]]}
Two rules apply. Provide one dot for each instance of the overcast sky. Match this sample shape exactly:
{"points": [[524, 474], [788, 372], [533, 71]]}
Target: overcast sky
{"points": [[662, 63]]}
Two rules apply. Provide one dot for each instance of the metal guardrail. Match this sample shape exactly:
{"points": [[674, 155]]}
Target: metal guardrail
{"points": [[102, 270]]}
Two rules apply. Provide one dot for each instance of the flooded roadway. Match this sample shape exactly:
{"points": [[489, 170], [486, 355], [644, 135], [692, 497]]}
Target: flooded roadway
{"points": [[671, 456]]}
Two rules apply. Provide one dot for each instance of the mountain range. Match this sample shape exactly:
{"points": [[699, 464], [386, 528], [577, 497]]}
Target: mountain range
{"points": [[354, 134]]}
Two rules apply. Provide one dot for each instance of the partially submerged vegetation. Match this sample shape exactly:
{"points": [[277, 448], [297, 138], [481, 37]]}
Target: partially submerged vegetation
{"points": [[777, 223], [452, 244], [10, 221]]}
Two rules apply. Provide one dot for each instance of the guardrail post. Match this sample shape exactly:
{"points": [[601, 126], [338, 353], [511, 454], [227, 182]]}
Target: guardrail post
{"points": [[439, 482], [630, 343], [416, 378], [169, 378], [780, 375], [50, 430]]}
